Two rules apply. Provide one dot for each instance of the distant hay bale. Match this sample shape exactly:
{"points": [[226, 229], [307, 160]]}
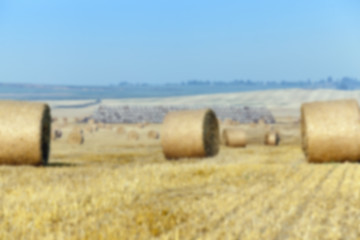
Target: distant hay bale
{"points": [[143, 125], [152, 134], [330, 131], [120, 130], [272, 138], [25, 132], [89, 128], [65, 120], [261, 122], [109, 127], [133, 135], [234, 137], [192, 133], [91, 121], [56, 134], [228, 121], [76, 136]]}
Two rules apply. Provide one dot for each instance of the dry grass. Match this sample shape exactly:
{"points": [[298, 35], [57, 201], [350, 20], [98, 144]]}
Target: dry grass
{"points": [[109, 188]]}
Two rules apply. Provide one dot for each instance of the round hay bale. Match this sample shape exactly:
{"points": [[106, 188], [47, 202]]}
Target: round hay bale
{"points": [[89, 128], [228, 121], [330, 131], [152, 134], [142, 125], [193, 133], [133, 135], [272, 138], [120, 130], [234, 137], [25, 132], [56, 134], [76, 136]]}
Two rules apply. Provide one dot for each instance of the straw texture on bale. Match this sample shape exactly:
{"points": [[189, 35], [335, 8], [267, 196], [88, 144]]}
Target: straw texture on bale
{"points": [[152, 134], [133, 135], [193, 133], [272, 138], [330, 131], [25, 132], [234, 137], [76, 136]]}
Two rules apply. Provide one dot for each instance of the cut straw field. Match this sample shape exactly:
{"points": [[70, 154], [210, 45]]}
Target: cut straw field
{"points": [[114, 188]]}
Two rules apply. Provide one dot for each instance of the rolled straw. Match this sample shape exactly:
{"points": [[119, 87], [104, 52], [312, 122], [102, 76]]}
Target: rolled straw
{"points": [[25, 132], [272, 138], [234, 137], [152, 134], [133, 135], [331, 131], [193, 133]]}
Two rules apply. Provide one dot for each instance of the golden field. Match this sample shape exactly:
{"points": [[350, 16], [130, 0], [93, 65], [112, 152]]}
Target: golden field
{"points": [[113, 188]]}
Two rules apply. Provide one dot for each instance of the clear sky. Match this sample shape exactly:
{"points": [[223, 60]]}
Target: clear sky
{"points": [[104, 42]]}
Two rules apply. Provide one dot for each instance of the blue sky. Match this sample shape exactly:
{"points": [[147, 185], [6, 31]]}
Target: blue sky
{"points": [[104, 42]]}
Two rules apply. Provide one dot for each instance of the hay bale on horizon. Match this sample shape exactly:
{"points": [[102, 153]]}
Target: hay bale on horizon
{"points": [[91, 121], [120, 130], [76, 136], [192, 133], [152, 134], [272, 138], [56, 134], [25, 132], [133, 135], [89, 128], [330, 131], [234, 137]]}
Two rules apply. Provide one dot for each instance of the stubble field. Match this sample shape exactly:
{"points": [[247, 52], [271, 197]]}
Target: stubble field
{"points": [[114, 188]]}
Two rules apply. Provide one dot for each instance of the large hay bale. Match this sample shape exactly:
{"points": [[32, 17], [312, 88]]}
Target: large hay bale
{"points": [[330, 131], [133, 135], [152, 134], [272, 138], [193, 133], [25, 131], [234, 137], [76, 136]]}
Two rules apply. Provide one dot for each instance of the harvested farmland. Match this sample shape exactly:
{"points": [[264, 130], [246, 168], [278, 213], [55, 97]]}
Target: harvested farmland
{"points": [[113, 188]]}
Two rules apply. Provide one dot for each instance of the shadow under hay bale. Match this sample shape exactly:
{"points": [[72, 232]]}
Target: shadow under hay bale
{"points": [[330, 131], [133, 135], [152, 134], [193, 133], [272, 138], [76, 136], [234, 137], [25, 132]]}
